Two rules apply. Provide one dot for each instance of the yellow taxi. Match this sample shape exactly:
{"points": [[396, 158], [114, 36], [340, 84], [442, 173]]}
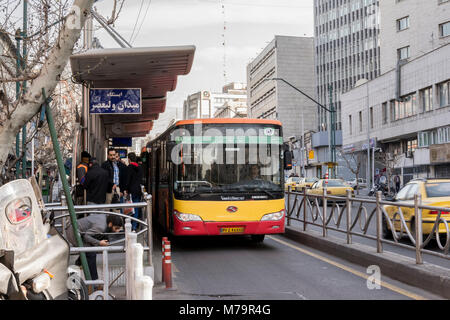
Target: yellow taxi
{"points": [[306, 182], [292, 182], [334, 187], [434, 192]]}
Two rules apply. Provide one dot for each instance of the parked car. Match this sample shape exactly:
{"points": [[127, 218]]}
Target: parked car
{"points": [[306, 182], [434, 192], [335, 187], [362, 183], [292, 182]]}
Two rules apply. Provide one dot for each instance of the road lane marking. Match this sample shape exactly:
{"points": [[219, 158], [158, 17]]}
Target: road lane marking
{"points": [[353, 271]]}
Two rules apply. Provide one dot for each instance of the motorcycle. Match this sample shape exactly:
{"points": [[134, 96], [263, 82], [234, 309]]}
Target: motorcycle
{"points": [[34, 257]]}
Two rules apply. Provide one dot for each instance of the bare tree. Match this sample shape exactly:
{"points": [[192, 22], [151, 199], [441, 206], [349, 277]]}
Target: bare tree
{"points": [[353, 162], [53, 30]]}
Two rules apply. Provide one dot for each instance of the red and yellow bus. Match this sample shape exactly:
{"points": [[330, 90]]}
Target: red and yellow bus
{"points": [[219, 177]]}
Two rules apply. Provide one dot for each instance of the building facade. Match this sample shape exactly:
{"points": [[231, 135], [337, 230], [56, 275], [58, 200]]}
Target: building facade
{"points": [[204, 104], [407, 113], [347, 49], [411, 28], [291, 59]]}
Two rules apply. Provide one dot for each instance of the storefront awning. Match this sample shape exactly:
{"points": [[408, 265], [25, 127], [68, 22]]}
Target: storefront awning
{"points": [[154, 70]]}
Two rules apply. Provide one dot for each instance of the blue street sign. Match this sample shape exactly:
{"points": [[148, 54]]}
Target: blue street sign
{"points": [[115, 101]]}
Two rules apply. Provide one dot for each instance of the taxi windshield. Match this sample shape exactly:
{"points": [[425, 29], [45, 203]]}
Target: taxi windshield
{"points": [[437, 189], [336, 183]]}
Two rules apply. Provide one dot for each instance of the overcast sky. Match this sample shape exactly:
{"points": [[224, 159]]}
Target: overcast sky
{"points": [[251, 25]]}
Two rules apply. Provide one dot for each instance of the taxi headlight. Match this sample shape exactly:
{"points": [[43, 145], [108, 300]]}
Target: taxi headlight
{"points": [[186, 217], [275, 216]]}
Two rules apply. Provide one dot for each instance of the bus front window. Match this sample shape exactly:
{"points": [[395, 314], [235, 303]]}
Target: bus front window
{"points": [[243, 168]]}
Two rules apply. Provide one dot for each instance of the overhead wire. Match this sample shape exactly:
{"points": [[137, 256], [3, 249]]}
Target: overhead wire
{"points": [[142, 22], [137, 19]]}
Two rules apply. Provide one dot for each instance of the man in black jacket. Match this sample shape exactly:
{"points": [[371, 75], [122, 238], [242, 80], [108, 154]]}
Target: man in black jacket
{"points": [[117, 176], [96, 183], [133, 186]]}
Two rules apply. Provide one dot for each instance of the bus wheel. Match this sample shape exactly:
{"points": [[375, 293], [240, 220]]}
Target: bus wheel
{"points": [[258, 238]]}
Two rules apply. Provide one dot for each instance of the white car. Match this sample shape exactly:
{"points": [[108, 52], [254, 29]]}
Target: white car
{"points": [[362, 183]]}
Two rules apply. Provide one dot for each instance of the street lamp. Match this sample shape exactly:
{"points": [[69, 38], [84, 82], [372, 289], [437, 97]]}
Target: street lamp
{"points": [[332, 112]]}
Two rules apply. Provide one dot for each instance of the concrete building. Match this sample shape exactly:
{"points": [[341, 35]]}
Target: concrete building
{"points": [[347, 49], [406, 114], [204, 104], [411, 28], [405, 111], [232, 109], [289, 58]]}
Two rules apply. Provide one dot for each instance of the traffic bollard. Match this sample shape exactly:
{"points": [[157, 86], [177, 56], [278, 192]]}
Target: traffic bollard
{"points": [[168, 265], [164, 239]]}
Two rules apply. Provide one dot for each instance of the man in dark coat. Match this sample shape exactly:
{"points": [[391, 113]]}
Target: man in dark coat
{"points": [[96, 184], [92, 229], [133, 186]]}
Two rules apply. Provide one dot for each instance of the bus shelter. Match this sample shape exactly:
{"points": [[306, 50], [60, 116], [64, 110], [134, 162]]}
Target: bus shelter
{"points": [[153, 70]]}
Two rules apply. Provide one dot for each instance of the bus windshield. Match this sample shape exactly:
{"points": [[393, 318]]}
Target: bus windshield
{"points": [[228, 160]]}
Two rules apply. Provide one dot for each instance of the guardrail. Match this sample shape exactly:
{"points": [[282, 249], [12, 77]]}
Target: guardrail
{"points": [[140, 286], [312, 209]]}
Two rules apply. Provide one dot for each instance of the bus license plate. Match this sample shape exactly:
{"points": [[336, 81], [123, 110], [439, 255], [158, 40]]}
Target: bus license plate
{"points": [[232, 230]]}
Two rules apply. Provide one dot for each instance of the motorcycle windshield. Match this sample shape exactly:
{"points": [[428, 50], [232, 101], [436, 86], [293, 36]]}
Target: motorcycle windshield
{"points": [[20, 218]]}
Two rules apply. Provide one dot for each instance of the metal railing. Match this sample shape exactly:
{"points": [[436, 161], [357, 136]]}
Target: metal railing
{"points": [[371, 218], [145, 227]]}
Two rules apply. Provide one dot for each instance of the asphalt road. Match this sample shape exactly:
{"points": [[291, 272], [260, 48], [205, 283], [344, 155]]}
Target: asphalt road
{"points": [[235, 268]]}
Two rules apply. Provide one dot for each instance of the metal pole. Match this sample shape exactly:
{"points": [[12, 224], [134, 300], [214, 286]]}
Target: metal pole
{"points": [[349, 216], [330, 121], [18, 38], [418, 227], [379, 222], [62, 173], [304, 208], [369, 178], [288, 214], [324, 212], [105, 275], [24, 55], [149, 229]]}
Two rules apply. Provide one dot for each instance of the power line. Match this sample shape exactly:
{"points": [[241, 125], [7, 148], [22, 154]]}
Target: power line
{"points": [[143, 19], [137, 19]]}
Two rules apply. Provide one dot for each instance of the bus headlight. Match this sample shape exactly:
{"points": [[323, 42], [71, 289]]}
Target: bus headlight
{"points": [[185, 217], [275, 216]]}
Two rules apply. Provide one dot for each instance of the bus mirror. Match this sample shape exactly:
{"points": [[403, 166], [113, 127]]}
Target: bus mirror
{"points": [[169, 147], [287, 160]]}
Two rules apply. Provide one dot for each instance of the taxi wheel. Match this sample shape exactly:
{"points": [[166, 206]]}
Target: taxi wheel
{"points": [[385, 232], [258, 238], [413, 230]]}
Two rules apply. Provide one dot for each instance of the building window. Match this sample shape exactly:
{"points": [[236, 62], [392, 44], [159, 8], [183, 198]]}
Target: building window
{"points": [[443, 135], [350, 124], [444, 29], [360, 121], [444, 94], [411, 145], [403, 23], [423, 139], [427, 99], [403, 53], [371, 117], [384, 110]]}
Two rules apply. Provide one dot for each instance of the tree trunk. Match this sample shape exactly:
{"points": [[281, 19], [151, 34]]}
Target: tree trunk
{"points": [[48, 78]]}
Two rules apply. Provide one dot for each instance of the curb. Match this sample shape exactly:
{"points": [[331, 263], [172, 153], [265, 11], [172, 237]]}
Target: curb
{"points": [[427, 276]]}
